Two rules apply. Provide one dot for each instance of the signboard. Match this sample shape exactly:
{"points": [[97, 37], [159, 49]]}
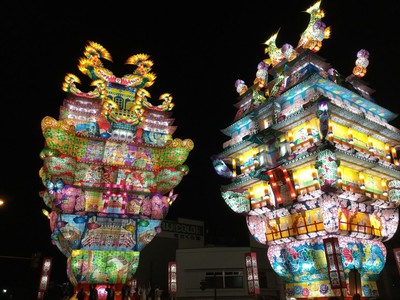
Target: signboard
{"points": [[44, 277], [179, 230], [172, 278], [335, 265], [253, 284]]}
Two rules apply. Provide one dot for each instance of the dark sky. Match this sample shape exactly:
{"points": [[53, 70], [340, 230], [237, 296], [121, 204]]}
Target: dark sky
{"points": [[199, 51]]}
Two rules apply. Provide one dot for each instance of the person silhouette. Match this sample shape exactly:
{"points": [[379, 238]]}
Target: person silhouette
{"points": [[157, 293], [81, 294], [144, 291], [110, 293], [93, 294], [125, 292]]}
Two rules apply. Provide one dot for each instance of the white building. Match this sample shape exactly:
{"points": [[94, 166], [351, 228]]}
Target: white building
{"points": [[223, 267]]}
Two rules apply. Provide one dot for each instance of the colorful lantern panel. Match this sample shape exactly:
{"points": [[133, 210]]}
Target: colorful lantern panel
{"points": [[110, 165], [91, 267], [305, 267]]}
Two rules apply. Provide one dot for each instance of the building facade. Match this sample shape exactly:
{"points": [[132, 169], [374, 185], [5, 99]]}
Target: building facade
{"points": [[221, 269]]}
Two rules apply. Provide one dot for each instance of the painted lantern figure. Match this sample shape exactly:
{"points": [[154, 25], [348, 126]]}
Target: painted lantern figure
{"points": [[332, 181], [109, 170]]}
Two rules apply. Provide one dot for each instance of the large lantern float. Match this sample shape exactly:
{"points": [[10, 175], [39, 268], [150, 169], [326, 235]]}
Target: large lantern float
{"points": [[110, 165], [312, 164]]}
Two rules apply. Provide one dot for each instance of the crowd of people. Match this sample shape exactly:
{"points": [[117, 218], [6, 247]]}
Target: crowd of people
{"points": [[93, 293], [128, 292]]}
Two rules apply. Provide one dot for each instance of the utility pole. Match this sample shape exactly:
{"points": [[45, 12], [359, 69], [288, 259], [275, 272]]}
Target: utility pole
{"points": [[35, 258], [15, 257], [215, 286], [204, 284]]}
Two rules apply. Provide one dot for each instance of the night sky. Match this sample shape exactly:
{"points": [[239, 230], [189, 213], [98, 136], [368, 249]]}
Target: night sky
{"points": [[199, 51]]}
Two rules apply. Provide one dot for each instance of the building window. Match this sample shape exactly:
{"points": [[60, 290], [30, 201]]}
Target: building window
{"points": [[234, 280], [225, 279]]}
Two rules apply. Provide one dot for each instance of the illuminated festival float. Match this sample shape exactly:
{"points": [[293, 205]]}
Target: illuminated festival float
{"points": [[110, 165], [312, 163]]}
